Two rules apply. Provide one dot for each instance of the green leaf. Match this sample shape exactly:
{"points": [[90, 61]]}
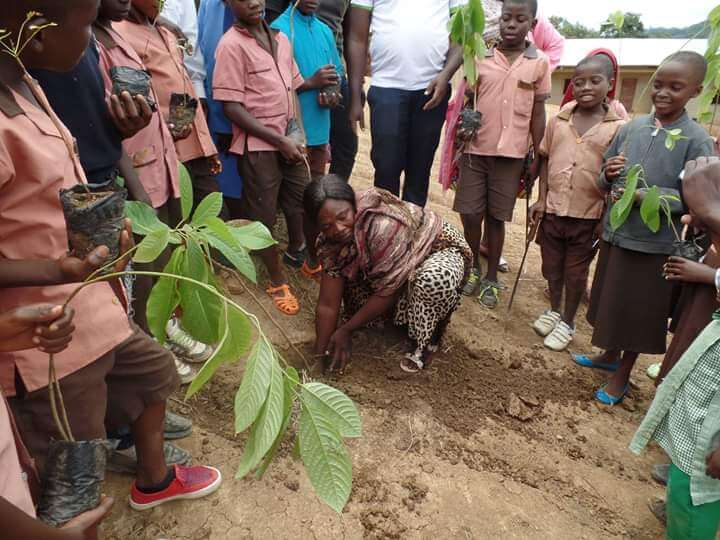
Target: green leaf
{"points": [[650, 209], [714, 17], [152, 246], [470, 68], [326, 459], [239, 258], [143, 217], [208, 208], [186, 191], [334, 405], [477, 16], [292, 379], [164, 297], [621, 209], [457, 28], [266, 428], [253, 236], [201, 308], [254, 386]]}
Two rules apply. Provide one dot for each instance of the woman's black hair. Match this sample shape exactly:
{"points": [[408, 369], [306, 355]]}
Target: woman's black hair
{"points": [[320, 190]]}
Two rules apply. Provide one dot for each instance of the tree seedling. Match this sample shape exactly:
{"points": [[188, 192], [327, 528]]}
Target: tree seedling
{"points": [[467, 27]]}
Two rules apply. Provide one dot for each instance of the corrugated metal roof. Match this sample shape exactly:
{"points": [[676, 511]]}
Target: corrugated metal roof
{"points": [[630, 52]]}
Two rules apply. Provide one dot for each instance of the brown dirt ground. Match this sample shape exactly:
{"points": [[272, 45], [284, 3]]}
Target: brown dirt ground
{"points": [[499, 439]]}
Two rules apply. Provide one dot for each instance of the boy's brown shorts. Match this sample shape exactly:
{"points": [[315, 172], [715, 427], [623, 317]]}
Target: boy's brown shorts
{"points": [[568, 247], [488, 184], [268, 181], [114, 391]]}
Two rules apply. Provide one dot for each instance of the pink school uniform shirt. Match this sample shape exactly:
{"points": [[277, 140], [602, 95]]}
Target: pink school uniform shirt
{"points": [[246, 73], [13, 484], [34, 166], [160, 52], [506, 97], [152, 150]]}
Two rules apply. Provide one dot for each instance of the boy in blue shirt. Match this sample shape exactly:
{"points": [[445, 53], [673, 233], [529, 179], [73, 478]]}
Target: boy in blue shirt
{"points": [[314, 49]]}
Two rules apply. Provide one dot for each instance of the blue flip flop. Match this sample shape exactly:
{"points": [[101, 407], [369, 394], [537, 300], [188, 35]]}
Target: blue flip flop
{"points": [[606, 399], [585, 361]]}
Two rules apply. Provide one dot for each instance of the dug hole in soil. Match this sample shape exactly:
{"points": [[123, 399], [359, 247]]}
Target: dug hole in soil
{"points": [[500, 438]]}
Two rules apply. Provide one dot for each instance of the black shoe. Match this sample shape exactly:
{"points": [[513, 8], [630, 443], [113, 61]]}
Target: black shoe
{"points": [[295, 258], [660, 474]]}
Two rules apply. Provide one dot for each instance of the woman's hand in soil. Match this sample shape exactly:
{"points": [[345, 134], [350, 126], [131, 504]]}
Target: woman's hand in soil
{"points": [[713, 465], [679, 269], [43, 326], [85, 526], [340, 349], [292, 152], [537, 212], [130, 115], [325, 76], [614, 167], [437, 90]]}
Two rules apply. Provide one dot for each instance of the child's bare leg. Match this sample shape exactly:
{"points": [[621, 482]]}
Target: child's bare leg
{"points": [[147, 432], [495, 230], [472, 228], [620, 379], [271, 259]]}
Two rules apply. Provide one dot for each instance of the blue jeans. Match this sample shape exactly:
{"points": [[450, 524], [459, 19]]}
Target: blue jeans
{"points": [[404, 139]]}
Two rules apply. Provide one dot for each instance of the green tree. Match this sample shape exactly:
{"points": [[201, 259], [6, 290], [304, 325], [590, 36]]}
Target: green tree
{"points": [[572, 30], [632, 27]]}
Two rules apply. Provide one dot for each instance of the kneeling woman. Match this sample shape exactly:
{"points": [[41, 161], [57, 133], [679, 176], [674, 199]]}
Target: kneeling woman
{"points": [[382, 256]]}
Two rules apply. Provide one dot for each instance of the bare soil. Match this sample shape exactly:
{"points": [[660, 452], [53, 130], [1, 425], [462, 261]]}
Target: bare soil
{"points": [[500, 438]]}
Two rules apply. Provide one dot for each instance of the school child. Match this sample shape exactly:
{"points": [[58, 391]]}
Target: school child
{"points": [[160, 52], [314, 49], [154, 158], [256, 78], [684, 418], [570, 204], [513, 85], [631, 300], [18, 478], [111, 370]]}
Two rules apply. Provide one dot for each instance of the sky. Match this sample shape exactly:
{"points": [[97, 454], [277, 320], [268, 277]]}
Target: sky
{"points": [[654, 13]]}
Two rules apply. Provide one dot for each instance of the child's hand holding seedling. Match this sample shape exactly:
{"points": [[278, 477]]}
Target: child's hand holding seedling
{"points": [[679, 269], [129, 114], [325, 76], [614, 167], [75, 270]]}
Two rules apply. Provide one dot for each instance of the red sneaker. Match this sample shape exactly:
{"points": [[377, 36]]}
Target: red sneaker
{"points": [[189, 483]]}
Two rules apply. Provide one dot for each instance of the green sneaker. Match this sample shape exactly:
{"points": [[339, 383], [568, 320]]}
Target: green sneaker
{"points": [[488, 296], [472, 283]]}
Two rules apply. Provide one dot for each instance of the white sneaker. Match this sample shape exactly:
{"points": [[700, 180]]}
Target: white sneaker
{"points": [[560, 337], [182, 344], [186, 373], [653, 371], [546, 323]]}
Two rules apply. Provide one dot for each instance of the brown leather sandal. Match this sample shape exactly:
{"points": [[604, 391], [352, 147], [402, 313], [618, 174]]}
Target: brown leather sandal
{"points": [[284, 299]]}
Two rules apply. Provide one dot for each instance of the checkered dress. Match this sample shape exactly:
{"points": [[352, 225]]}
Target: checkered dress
{"points": [[679, 430]]}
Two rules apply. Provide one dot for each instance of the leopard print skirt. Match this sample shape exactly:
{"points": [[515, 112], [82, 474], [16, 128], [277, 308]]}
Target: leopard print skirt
{"points": [[431, 295]]}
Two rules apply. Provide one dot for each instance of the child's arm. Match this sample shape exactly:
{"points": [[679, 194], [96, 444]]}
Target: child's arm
{"points": [[239, 116], [40, 272], [132, 181], [679, 269], [325, 76], [537, 210], [614, 162], [19, 526]]}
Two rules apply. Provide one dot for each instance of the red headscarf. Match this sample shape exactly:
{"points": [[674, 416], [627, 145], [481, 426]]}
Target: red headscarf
{"points": [[616, 69]]}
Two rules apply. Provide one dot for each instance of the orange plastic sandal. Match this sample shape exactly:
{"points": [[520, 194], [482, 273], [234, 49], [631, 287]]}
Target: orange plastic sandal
{"points": [[312, 273], [284, 299]]}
